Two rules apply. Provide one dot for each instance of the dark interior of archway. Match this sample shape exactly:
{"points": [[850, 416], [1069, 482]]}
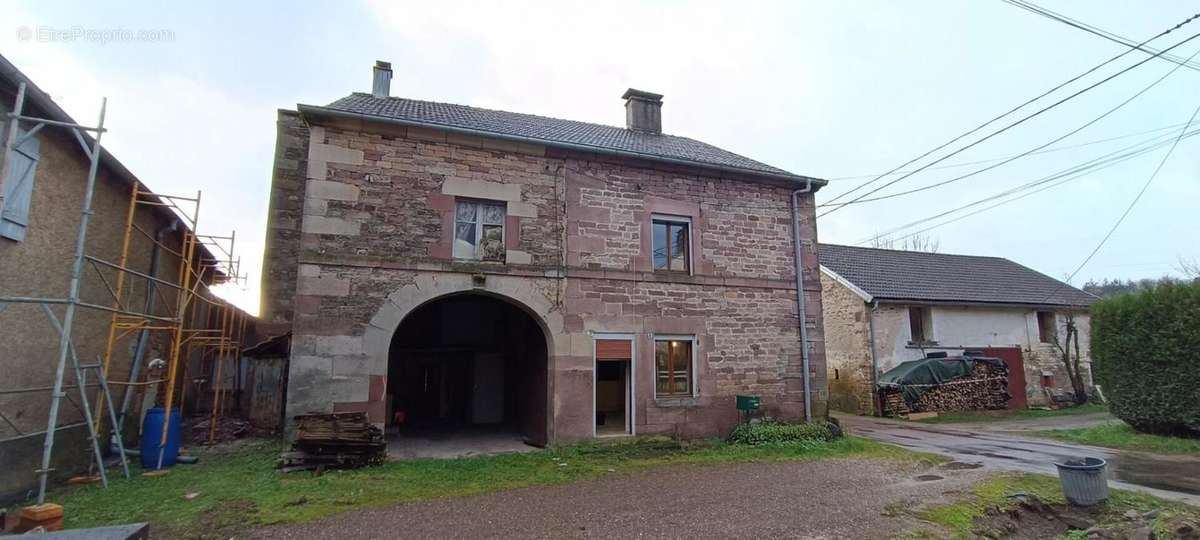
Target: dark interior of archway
{"points": [[468, 362]]}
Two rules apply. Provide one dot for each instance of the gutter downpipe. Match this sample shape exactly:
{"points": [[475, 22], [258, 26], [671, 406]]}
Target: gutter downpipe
{"points": [[802, 318], [139, 351], [874, 357]]}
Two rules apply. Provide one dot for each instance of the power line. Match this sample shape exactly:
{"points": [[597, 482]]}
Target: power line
{"points": [[1067, 175], [1021, 106], [1135, 200], [735, 206], [863, 199], [1047, 151], [1075, 23]]}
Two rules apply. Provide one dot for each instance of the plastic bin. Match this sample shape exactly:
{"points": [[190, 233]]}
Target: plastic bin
{"points": [[152, 427], [1084, 481]]}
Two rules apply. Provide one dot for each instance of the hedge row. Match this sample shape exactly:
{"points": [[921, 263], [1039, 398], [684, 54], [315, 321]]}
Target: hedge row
{"points": [[1146, 354]]}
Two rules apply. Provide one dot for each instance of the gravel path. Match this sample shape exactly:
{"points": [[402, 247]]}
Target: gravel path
{"points": [[820, 499]]}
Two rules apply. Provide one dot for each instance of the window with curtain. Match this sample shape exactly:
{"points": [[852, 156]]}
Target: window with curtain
{"points": [[479, 230], [673, 367], [672, 244]]}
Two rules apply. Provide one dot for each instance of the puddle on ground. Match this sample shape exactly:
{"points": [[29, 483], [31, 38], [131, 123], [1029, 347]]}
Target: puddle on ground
{"points": [[961, 466], [927, 478], [1172, 473]]}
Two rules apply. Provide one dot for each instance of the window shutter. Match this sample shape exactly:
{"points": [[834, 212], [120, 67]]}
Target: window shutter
{"points": [[18, 189], [614, 349]]}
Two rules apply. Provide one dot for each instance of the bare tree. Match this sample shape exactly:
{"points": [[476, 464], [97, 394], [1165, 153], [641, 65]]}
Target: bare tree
{"points": [[1189, 267], [916, 242], [1070, 340]]}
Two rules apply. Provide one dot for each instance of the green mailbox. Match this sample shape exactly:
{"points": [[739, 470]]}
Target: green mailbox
{"points": [[747, 403]]}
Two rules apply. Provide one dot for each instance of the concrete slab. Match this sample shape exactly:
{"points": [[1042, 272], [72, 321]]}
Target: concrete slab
{"points": [[466, 442], [134, 531]]}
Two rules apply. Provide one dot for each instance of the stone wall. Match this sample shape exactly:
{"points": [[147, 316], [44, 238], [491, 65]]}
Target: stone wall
{"points": [[282, 247], [1045, 359], [375, 243], [847, 348]]}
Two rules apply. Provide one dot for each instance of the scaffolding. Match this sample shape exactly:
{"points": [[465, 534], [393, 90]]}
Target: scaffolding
{"points": [[190, 318]]}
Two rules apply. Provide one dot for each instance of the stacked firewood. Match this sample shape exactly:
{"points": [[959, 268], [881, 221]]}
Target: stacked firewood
{"points": [[334, 441], [985, 389]]}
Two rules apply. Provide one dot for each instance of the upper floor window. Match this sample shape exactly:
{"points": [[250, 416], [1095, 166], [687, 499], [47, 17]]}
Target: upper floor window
{"points": [[920, 324], [479, 230], [672, 244], [1047, 327]]}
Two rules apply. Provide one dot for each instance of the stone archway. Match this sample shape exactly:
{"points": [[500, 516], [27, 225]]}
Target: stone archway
{"points": [[532, 296]]}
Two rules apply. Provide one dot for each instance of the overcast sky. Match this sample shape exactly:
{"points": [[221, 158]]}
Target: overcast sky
{"points": [[826, 89]]}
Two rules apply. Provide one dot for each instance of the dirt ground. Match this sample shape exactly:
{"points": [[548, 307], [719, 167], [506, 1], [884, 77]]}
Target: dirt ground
{"points": [[819, 499]]}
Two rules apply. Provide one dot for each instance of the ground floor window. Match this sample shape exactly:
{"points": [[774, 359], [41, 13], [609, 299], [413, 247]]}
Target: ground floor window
{"points": [[673, 366]]}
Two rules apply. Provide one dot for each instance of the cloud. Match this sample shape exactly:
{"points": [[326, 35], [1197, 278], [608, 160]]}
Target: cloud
{"points": [[176, 132]]}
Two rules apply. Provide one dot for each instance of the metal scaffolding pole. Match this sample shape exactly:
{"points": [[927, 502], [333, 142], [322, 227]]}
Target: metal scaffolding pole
{"points": [[64, 342], [191, 288]]}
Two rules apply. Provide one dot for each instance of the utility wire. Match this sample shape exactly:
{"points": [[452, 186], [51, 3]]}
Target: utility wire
{"points": [[864, 199], [1075, 23], [735, 206], [1067, 175], [1132, 203], [1047, 151], [1020, 107]]}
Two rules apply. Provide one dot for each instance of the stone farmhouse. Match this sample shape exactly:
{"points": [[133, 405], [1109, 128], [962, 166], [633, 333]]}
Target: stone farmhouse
{"points": [[456, 271], [883, 307]]}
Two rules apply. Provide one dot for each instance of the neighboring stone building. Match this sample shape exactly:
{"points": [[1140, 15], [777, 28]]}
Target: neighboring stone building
{"points": [[883, 307], [453, 268], [44, 193]]}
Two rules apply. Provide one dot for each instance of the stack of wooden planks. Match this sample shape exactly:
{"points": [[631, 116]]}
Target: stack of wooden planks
{"points": [[985, 389], [334, 441]]}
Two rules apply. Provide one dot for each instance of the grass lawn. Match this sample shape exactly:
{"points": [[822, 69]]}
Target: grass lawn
{"points": [[959, 517], [1019, 414], [237, 487], [1120, 435]]}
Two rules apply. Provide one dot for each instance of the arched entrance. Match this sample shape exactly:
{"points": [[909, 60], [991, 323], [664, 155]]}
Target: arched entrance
{"points": [[467, 373]]}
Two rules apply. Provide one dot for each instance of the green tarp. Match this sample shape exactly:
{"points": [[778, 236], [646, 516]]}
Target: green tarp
{"points": [[915, 377]]}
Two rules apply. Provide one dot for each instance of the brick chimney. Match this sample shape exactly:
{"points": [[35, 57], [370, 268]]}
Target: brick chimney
{"points": [[643, 111], [381, 84]]}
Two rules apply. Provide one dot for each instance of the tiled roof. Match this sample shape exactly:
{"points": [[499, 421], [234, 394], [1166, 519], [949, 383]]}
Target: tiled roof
{"points": [[889, 274], [553, 131]]}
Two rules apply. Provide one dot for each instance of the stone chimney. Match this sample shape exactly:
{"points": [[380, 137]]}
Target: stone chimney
{"points": [[643, 111], [381, 85]]}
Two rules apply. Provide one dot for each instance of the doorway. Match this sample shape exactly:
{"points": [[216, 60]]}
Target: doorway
{"points": [[613, 402], [466, 374], [1015, 362]]}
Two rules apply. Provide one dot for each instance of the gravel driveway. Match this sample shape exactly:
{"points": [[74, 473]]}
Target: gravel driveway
{"points": [[819, 499]]}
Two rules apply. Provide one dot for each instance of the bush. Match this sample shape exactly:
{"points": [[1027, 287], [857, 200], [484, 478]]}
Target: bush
{"points": [[1146, 353], [771, 432]]}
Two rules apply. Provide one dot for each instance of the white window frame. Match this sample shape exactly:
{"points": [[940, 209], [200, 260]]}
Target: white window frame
{"points": [[631, 398], [685, 220], [926, 324], [694, 389], [479, 204]]}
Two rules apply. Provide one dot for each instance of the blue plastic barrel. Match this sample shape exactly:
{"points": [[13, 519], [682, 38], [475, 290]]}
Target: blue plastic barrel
{"points": [[152, 427]]}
